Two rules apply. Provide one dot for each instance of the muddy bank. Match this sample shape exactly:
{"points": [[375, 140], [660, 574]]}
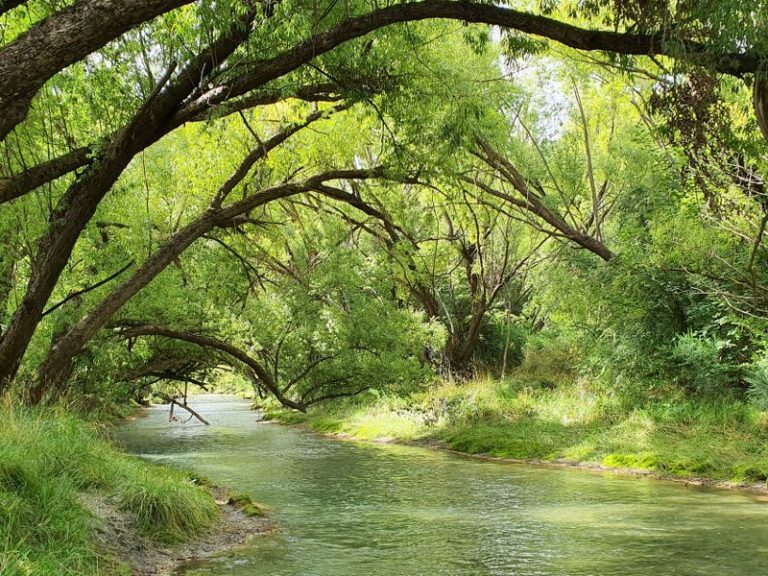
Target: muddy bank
{"points": [[118, 535]]}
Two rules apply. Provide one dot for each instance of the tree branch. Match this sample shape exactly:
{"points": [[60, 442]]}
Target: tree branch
{"points": [[98, 284]]}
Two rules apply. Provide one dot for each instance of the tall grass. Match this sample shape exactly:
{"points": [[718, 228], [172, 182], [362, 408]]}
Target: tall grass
{"points": [[48, 460], [580, 422]]}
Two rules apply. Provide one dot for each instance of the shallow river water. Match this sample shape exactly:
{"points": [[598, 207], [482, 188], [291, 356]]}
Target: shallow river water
{"points": [[354, 509]]}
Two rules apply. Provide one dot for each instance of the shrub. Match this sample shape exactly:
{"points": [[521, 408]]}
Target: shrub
{"points": [[696, 364], [757, 378], [548, 362]]}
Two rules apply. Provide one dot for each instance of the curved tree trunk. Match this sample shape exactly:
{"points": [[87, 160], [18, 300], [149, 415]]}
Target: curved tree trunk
{"points": [[74, 32], [58, 364]]}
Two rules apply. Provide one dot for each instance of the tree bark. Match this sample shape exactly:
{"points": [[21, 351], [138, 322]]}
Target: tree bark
{"points": [[20, 184], [760, 92], [59, 41]]}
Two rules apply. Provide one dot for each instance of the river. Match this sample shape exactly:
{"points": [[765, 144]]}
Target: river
{"points": [[357, 509]]}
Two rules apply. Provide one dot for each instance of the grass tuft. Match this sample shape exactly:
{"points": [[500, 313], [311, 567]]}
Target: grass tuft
{"points": [[49, 460], [167, 506]]}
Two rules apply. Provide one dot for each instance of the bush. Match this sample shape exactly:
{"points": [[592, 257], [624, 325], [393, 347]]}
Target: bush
{"points": [[548, 362], [696, 364], [757, 378], [496, 336]]}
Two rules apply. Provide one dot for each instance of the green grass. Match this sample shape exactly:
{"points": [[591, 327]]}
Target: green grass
{"points": [[48, 461], [723, 440]]}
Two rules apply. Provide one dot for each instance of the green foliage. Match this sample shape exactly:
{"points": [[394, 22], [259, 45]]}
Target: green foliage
{"points": [[502, 343], [757, 378], [549, 361], [439, 267]]}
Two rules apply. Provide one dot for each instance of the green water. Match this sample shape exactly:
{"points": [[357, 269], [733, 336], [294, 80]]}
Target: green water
{"points": [[349, 509]]}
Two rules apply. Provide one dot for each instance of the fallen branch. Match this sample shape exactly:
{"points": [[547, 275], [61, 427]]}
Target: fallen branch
{"points": [[173, 402]]}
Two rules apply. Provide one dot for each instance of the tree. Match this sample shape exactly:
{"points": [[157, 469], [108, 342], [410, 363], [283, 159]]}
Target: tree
{"points": [[84, 112]]}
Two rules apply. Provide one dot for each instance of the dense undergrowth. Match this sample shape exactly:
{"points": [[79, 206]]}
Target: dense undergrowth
{"points": [[725, 440], [50, 464]]}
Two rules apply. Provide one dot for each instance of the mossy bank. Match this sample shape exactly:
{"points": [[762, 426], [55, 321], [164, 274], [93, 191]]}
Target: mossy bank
{"points": [[723, 442], [72, 503]]}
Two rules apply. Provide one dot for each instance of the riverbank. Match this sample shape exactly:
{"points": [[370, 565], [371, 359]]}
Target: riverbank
{"points": [[72, 503], [722, 444]]}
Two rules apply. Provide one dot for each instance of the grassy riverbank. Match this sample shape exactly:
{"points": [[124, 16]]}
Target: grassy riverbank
{"points": [[725, 441], [57, 473]]}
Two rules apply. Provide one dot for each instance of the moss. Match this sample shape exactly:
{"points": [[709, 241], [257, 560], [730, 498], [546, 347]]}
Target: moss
{"points": [[640, 461], [283, 416], [245, 504], [200, 480]]}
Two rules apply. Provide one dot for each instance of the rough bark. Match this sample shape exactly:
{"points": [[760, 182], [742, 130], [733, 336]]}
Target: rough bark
{"points": [[60, 40], [7, 268], [20, 184], [760, 92]]}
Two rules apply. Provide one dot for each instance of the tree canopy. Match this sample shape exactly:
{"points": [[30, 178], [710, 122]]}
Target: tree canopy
{"points": [[323, 198]]}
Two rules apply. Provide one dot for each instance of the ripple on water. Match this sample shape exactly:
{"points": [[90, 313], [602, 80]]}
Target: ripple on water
{"points": [[349, 509]]}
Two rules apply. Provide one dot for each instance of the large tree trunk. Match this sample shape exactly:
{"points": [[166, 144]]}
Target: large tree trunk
{"points": [[760, 92], [7, 267]]}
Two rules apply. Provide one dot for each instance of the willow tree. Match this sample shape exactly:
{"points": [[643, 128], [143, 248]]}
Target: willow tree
{"points": [[81, 108]]}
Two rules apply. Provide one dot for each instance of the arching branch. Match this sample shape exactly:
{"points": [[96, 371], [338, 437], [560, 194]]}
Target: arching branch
{"points": [[210, 342]]}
